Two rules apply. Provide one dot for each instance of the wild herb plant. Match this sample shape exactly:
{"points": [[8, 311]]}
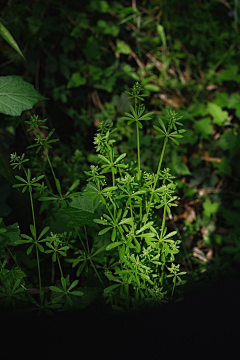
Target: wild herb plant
{"points": [[142, 269], [145, 250], [55, 245]]}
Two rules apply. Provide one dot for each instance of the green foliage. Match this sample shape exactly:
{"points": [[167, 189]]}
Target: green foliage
{"points": [[81, 210], [210, 207], [16, 95], [10, 40], [99, 50]]}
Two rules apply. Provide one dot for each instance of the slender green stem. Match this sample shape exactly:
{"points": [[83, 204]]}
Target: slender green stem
{"points": [[132, 217], [161, 235], [140, 212], [50, 164], [157, 175], [94, 268], [39, 276], [45, 150], [138, 142], [35, 238], [81, 240], [60, 267], [113, 177], [113, 218], [89, 256], [14, 258], [138, 150], [33, 215], [164, 218], [85, 230], [174, 284], [45, 177]]}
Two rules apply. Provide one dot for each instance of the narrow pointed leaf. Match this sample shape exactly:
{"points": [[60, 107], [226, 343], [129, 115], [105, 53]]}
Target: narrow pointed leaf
{"points": [[110, 288], [119, 158], [112, 246], [10, 40], [150, 223], [104, 158], [44, 231], [73, 285], [104, 231], [74, 185], [170, 235]]}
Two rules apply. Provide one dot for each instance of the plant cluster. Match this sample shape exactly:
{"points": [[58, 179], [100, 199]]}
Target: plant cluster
{"points": [[100, 49], [144, 268]]}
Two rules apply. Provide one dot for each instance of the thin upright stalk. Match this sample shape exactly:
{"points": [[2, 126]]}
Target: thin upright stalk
{"points": [[35, 238], [89, 255], [138, 143], [39, 276], [157, 176]]}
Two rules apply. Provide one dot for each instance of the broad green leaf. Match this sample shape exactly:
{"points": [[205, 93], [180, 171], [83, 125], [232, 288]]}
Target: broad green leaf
{"points": [[10, 234], [210, 207], [229, 141], [229, 74], [224, 167], [178, 165], [10, 40], [76, 80], [221, 99], [16, 95], [123, 48], [203, 127], [189, 138], [219, 115], [81, 209]]}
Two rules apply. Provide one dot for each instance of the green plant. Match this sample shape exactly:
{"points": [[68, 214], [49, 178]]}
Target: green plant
{"points": [[150, 44], [131, 198]]}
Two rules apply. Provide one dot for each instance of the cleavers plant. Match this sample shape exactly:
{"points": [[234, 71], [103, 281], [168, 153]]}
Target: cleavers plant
{"points": [[141, 270], [145, 250]]}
